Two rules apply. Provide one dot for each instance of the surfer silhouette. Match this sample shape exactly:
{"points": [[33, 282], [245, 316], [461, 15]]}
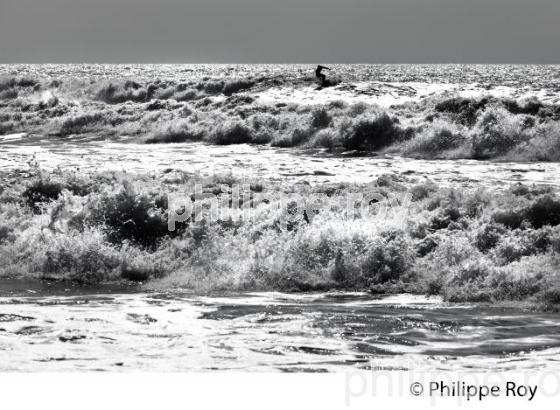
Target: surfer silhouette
{"points": [[320, 75]]}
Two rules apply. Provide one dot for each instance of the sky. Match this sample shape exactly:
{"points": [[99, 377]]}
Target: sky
{"points": [[280, 31]]}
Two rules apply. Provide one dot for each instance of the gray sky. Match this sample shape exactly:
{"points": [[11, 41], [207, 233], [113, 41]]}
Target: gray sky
{"points": [[280, 31]]}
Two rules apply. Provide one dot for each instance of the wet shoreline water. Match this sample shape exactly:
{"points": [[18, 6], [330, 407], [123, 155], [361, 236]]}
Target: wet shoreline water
{"points": [[268, 331]]}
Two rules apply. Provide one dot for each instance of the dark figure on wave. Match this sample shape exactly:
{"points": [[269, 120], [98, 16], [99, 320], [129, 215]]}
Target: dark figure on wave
{"points": [[320, 75]]}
